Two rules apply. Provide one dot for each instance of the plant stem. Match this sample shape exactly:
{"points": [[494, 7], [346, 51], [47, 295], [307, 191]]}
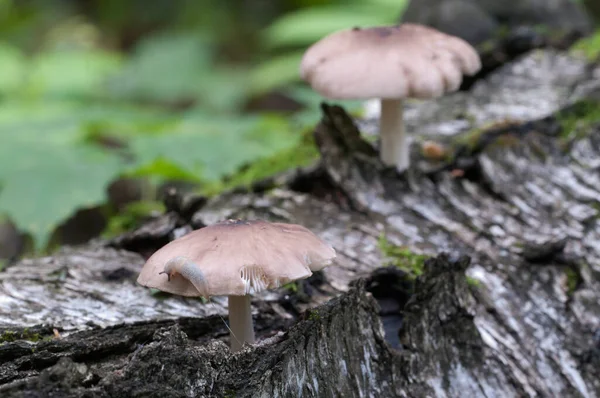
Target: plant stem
{"points": [[240, 322], [394, 149]]}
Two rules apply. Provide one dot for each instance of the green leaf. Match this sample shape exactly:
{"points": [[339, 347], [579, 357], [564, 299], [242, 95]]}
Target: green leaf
{"points": [[223, 89], [276, 72], [395, 7], [308, 25], [46, 171], [13, 65], [164, 169], [73, 73], [164, 67], [178, 68], [210, 147], [38, 195]]}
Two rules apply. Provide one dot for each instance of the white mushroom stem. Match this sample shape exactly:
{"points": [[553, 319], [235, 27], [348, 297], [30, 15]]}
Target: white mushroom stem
{"points": [[240, 322], [394, 149]]}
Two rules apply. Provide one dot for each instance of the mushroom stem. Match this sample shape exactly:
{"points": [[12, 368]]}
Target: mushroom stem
{"points": [[240, 322], [394, 149]]}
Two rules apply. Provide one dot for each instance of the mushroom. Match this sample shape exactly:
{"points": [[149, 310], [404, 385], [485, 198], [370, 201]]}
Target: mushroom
{"points": [[433, 150], [236, 258], [389, 63]]}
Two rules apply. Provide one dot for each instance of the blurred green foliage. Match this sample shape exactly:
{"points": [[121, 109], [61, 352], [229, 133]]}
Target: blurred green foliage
{"points": [[589, 46], [95, 90]]}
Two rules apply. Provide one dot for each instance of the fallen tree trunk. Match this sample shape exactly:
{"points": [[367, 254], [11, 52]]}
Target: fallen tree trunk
{"points": [[319, 356], [520, 198]]}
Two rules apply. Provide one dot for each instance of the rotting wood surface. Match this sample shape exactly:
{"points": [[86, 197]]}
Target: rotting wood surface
{"points": [[525, 211]]}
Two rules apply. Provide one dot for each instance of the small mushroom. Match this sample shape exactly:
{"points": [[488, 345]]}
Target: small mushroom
{"points": [[390, 63], [433, 150], [236, 258]]}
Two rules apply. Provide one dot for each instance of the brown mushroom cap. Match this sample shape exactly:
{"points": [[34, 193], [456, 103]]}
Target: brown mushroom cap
{"points": [[237, 257], [408, 60]]}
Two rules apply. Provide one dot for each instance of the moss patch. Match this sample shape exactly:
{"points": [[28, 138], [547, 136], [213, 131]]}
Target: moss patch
{"points": [[589, 46], [291, 287], [577, 119], [573, 279], [488, 133], [303, 154], [314, 315], [9, 336], [473, 282], [402, 257]]}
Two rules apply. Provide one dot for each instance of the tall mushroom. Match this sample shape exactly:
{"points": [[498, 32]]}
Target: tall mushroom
{"points": [[389, 63], [236, 258]]}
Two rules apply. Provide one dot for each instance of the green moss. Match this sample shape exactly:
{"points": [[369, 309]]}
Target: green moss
{"points": [[576, 120], [573, 280], [589, 46], [402, 258], [303, 154], [9, 336], [292, 287], [487, 46], [503, 31], [314, 315], [473, 282], [131, 217], [596, 206], [469, 138], [472, 138]]}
